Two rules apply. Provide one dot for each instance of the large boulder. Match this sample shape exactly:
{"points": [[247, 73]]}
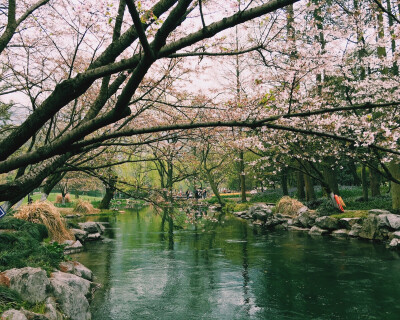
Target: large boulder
{"points": [[90, 227], [13, 314], [260, 212], [355, 230], [305, 218], [382, 221], [378, 211], [394, 221], [369, 227], [31, 283], [327, 222], [79, 234], [70, 292]]}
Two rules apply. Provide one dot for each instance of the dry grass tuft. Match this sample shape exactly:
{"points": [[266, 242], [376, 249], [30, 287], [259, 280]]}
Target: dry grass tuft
{"points": [[85, 207], [288, 206], [59, 198], [46, 213]]}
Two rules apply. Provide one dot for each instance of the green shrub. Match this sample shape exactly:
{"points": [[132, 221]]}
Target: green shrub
{"points": [[267, 196], [326, 208], [9, 299], [35, 230], [22, 247]]}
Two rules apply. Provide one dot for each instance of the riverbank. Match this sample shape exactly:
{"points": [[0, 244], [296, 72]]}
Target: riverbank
{"points": [[375, 224], [37, 279]]}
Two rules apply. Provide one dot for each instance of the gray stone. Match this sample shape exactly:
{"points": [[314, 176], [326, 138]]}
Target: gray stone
{"points": [[51, 310], [74, 248], [348, 223], [260, 211], [395, 243], [327, 222], [82, 271], [369, 227], [394, 221], [77, 269], [101, 227], [68, 242], [317, 231], [340, 233], [378, 211], [79, 234], [294, 228], [13, 314], [355, 230], [31, 283], [302, 210], [282, 226], [90, 227], [396, 234], [382, 221], [93, 236], [70, 292], [33, 316]]}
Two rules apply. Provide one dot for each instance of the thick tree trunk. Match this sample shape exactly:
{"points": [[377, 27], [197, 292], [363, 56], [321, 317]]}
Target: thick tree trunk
{"points": [[300, 185], [105, 202], [330, 177], [353, 169], [394, 168], [110, 190], [310, 193], [364, 182], [374, 181]]}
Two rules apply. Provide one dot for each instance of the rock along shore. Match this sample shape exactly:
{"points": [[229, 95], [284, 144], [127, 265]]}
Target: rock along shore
{"points": [[66, 293], [380, 225]]}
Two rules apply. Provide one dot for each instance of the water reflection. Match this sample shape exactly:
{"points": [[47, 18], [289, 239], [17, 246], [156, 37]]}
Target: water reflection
{"points": [[227, 270]]}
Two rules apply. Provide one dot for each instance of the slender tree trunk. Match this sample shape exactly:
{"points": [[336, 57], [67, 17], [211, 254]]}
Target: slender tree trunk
{"points": [[214, 187], [364, 182], [242, 177]]}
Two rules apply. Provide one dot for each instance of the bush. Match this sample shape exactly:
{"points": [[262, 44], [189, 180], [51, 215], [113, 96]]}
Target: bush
{"points": [[326, 208], [67, 198], [9, 299], [85, 207], [35, 230], [288, 206], [270, 196], [46, 213]]}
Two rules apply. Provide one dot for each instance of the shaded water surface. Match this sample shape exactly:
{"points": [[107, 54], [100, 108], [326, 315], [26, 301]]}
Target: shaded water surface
{"points": [[229, 270]]}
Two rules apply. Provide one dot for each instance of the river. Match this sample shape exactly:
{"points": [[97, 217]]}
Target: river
{"points": [[230, 270]]}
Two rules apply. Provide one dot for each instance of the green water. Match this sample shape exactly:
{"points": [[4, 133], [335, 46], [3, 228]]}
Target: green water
{"points": [[229, 270]]}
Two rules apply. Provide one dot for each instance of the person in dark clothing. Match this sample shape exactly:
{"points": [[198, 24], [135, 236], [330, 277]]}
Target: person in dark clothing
{"points": [[187, 194]]}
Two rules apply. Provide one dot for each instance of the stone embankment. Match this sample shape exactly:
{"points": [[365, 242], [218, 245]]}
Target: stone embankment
{"points": [[65, 293], [89, 231], [380, 225]]}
